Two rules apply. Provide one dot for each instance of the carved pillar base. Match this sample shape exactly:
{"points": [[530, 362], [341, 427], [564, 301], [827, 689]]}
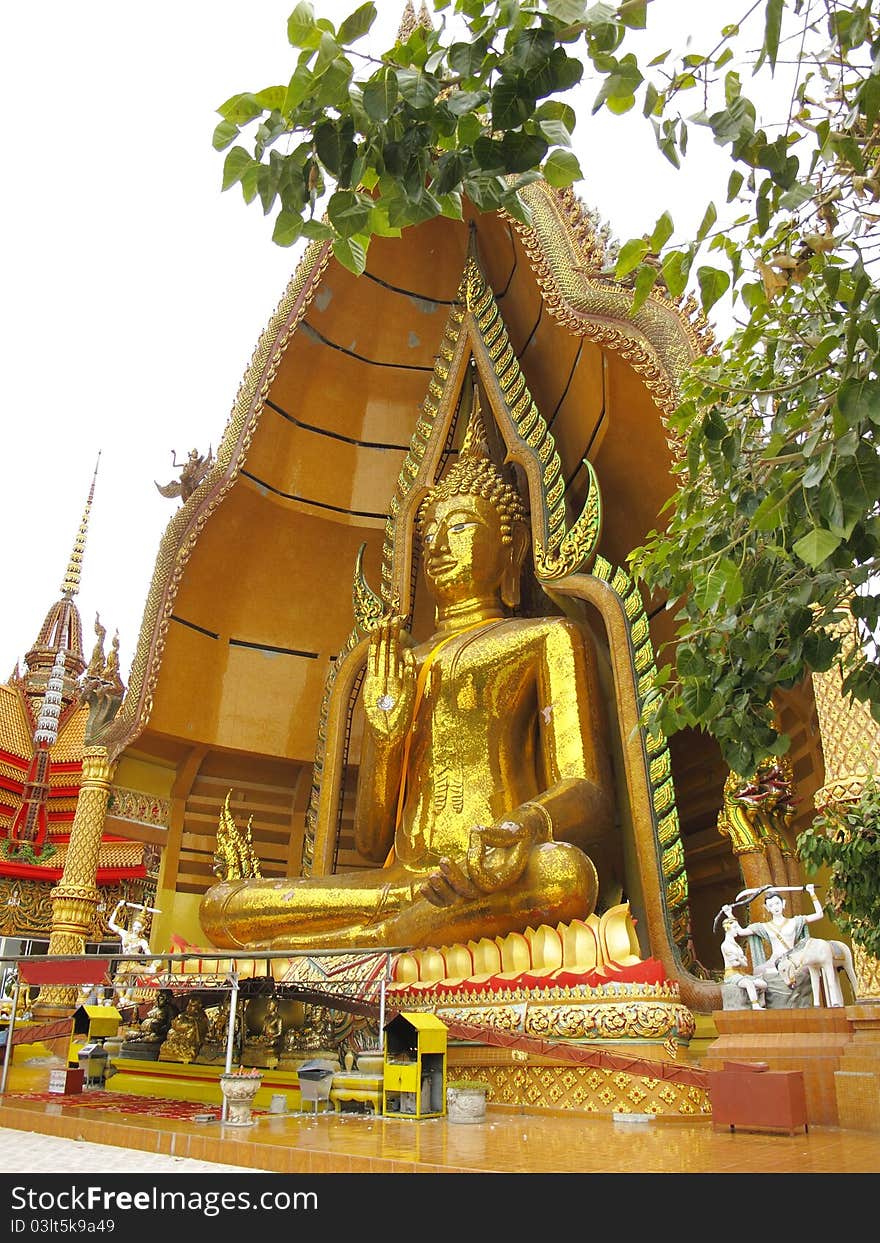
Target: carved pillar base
{"points": [[73, 910]]}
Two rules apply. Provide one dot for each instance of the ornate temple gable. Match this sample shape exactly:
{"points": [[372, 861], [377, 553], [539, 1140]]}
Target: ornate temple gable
{"points": [[564, 252], [570, 261]]}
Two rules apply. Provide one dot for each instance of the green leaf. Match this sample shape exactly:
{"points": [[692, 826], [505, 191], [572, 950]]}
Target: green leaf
{"points": [[713, 284], [646, 279], [328, 52], [234, 166], [450, 205], [816, 471], [771, 30], [301, 28], [710, 589], [288, 227], [301, 85], [334, 145], [349, 212], [617, 105], [241, 108], [466, 59], [709, 219], [461, 103], [561, 168], [556, 110], [351, 253], [634, 13], [816, 546], [417, 87], [468, 130], [380, 95], [569, 11], [631, 255], [663, 230], [675, 270], [858, 400], [317, 231], [224, 134], [555, 132], [734, 185], [356, 25], [272, 98], [522, 151], [510, 105]]}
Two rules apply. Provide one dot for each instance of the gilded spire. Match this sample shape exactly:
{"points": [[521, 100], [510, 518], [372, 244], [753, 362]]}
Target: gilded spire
{"points": [[407, 22], [70, 586], [476, 442], [61, 630]]}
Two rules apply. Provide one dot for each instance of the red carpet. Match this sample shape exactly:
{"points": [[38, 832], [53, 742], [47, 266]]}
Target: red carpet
{"points": [[124, 1103]]}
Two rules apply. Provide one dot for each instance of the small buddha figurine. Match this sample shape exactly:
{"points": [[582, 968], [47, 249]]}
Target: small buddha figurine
{"points": [[186, 1034], [261, 1047], [213, 1048], [153, 1028], [484, 776]]}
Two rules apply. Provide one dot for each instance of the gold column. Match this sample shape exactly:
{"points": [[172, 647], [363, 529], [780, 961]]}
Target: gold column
{"points": [[76, 896], [851, 749]]}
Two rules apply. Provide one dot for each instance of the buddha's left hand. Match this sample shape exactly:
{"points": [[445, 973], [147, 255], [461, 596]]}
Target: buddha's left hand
{"points": [[496, 858]]}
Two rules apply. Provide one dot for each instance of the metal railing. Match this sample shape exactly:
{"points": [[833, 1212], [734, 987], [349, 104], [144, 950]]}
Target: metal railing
{"points": [[157, 972]]}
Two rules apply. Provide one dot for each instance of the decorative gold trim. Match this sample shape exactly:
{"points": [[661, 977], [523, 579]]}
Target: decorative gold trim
{"points": [[850, 735], [649, 786], [188, 522], [582, 1089], [568, 257]]}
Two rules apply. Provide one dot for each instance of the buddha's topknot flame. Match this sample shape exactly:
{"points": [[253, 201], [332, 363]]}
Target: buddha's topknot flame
{"points": [[475, 474]]}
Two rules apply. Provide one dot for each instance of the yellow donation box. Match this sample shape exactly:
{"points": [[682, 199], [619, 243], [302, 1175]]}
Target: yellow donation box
{"points": [[414, 1072], [96, 1022]]}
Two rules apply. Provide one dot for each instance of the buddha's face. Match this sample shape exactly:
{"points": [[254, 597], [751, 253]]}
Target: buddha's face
{"points": [[775, 904], [463, 552]]}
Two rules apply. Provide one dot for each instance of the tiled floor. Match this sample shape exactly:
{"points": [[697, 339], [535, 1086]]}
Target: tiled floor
{"points": [[34, 1153], [507, 1142]]}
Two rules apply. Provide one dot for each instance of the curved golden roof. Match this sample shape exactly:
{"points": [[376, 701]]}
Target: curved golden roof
{"points": [[251, 599]]}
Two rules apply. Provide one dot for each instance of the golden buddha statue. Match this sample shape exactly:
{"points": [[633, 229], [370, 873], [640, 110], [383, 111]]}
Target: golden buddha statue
{"points": [[186, 1033], [261, 1046], [484, 777], [213, 1047], [153, 1027]]}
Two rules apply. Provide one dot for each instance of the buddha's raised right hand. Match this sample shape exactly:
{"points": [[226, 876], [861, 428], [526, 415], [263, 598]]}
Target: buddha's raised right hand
{"points": [[390, 684]]}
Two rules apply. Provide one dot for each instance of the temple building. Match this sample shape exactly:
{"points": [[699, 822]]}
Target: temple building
{"points": [[42, 726], [251, 597], [284, 555]]}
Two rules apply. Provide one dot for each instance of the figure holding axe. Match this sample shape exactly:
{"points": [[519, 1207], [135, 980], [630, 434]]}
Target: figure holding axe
{"points": [[133, 941]]}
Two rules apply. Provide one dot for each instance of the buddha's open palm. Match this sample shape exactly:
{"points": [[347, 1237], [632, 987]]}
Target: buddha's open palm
{"points": [[390, 684]]}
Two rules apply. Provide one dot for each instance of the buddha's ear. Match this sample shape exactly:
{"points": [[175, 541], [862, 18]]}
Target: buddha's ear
{"points": [[510, 582]]}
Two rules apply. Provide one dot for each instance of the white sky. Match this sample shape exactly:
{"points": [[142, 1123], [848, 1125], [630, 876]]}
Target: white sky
{"points": [[133, 292]]}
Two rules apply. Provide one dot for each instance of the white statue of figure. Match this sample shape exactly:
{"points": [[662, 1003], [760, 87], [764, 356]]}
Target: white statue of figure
{"points": [[132, 939], [133, 942], [736, 967], [790, 950]]}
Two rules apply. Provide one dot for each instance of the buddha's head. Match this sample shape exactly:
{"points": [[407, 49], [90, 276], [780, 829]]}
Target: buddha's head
{"points": [[473, 527]]}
